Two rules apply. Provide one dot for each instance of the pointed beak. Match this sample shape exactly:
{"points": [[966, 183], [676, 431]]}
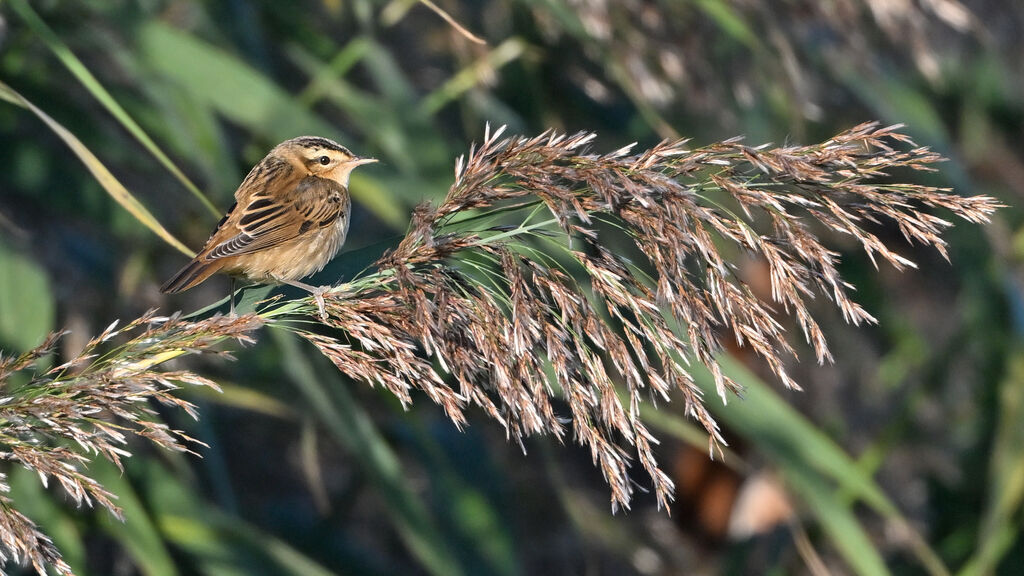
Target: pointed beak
{"points": [[360, 161]]}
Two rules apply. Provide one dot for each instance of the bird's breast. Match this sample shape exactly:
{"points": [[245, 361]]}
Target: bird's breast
{"points": [[297, 258]]}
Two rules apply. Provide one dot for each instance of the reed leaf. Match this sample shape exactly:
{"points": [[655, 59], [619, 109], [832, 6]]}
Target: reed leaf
{"points": [[110, 183], [76, 67]]}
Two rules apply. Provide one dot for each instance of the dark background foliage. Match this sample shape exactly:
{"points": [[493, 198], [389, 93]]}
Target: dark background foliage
{"points": [[308, 473]]}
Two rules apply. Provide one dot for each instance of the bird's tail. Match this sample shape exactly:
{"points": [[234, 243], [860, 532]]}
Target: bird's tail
{"points": [[195, 272]]}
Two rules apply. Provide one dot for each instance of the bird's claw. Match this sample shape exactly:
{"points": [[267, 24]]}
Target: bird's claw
{"points": [[318, 296]]}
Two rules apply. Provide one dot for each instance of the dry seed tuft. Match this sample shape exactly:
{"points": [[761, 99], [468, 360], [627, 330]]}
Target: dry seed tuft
{"points": [[508, 296], [61, 418], [510, 317]]}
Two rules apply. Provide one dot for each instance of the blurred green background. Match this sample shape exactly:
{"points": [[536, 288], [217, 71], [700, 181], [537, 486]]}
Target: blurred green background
{"points": [[906, 457]]}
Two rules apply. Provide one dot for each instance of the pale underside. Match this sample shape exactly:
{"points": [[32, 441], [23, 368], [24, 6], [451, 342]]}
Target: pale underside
{"points": [[294, 259]]}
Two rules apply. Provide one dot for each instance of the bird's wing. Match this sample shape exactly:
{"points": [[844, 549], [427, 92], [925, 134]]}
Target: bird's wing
{"points": [[266, 222]]}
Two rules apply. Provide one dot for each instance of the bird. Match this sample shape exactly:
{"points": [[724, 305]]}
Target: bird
{"points": [[290, 217]]}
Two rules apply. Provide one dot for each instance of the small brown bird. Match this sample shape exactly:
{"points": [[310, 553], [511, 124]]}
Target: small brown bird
{"points": [[290, 217]]}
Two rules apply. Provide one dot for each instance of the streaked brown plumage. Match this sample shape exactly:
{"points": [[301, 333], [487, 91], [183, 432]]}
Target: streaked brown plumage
{"points": [[290, 217]]}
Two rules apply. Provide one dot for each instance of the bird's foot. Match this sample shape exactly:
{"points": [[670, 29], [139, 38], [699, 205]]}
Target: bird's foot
{"points": [[321, 305], [317, 292]]}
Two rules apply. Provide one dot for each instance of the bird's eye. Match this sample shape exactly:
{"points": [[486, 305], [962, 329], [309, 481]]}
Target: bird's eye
{"points": [[324, 160]]}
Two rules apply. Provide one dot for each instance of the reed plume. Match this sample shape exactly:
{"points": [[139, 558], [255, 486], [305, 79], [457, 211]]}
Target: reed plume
{"points": [[512, 317], [508, 295], [54, 421]]}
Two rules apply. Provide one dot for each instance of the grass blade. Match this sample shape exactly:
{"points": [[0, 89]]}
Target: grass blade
{"points": [[229, 85], [78, 69], [354, 429], [214, 542], [472, 75], [245, 96], [222, 535], [808, 457], [1000, 527], [838, 521], [137, 534], [111, 184], [27, 308]]}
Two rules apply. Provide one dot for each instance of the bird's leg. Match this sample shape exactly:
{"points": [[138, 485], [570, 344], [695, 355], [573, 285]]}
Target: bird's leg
{"points": [[316, 291], [231, 310]]}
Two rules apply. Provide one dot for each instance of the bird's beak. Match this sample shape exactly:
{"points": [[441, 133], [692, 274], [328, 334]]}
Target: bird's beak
{"points": [[360, 161]]}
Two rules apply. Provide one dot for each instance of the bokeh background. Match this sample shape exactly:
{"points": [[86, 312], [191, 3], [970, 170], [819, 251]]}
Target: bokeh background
{"points": [[905, 457]]}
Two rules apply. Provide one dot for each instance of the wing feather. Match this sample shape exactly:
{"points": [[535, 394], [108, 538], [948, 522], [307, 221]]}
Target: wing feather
{"points": [[268, 222]]}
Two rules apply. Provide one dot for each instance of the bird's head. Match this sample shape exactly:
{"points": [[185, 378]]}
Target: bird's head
{"points": [[321, 157]]}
